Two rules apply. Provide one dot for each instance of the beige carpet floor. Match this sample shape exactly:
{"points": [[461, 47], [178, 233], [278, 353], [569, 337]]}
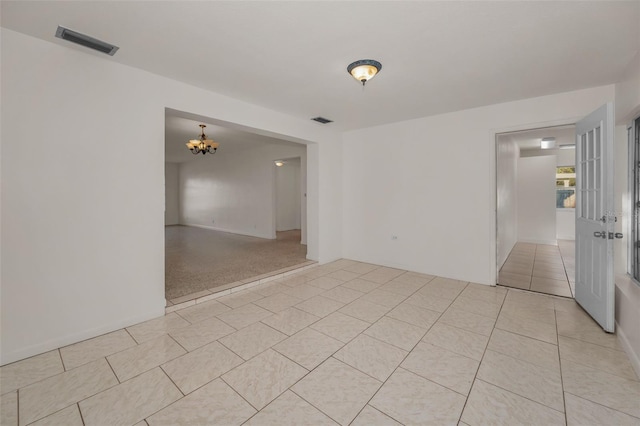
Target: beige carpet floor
{"points": [[199, 259]]}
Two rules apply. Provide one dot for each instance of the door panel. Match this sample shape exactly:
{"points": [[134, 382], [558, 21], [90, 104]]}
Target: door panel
{"points": [[595, 288]]}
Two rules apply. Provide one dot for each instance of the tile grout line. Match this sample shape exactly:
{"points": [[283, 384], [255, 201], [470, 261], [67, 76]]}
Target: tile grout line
{"points": [[79, 411], [238, 393], [83, 399], [166, 406], [592, 366], [131, 335], [475, 376], [564, 400], [112, 370], [332, 356], [602, 405], [405, 357], [517, 394], [64, 367], [18, 405], [564, 266], [205, 384], [172, 381]]}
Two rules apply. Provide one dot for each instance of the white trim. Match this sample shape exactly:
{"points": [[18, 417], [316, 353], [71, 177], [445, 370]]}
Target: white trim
{"points": [[634, 357], [236, 289], [534, 241], [630, 196], [230, 231], [493, 165], [29, 351]]}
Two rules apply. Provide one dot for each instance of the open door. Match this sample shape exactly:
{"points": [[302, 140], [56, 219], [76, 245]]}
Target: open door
{"points": [[595, 219]]}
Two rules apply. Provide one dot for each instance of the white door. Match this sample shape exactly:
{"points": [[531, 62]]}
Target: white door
{"points": [[595, 290]]}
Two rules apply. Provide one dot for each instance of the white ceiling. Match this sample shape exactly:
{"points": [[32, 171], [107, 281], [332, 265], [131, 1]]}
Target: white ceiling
{"points": [[179, 129], [529, 140], [292, 56]]}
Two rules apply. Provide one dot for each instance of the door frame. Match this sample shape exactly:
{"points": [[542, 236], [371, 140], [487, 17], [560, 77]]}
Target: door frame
{"points": [[303, 195], [494, 170], [629, 229]]}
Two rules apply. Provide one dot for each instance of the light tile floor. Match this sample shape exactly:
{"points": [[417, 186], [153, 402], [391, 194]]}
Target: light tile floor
{"points": [[541, 268], [346, 343]]}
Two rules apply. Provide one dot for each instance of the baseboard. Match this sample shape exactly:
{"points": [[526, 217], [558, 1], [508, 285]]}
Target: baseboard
{"points": [[503, 261], [534, 241], [60, 342], [566, 237], [230, 231], [409, 268], [634, 357]]}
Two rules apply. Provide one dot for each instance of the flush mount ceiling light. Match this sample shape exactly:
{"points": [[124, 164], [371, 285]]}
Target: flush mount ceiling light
{"points": [[548, 143], [279, 163], [202, 145], [364, 69]]}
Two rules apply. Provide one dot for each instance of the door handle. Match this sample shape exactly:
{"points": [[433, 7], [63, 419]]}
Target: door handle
{"points": [[600, 234], [616, 235]]}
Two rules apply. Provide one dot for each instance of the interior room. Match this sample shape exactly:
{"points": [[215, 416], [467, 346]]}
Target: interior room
{"points": [[535, 186], [232, 216], [396, 111]]}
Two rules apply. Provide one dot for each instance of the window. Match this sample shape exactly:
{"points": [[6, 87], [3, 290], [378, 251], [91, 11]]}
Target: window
{"points": [[566, 187], [634, 189]]}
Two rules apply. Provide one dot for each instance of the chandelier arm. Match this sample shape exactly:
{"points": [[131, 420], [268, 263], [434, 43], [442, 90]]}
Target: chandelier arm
{"points": [[204, 146]]}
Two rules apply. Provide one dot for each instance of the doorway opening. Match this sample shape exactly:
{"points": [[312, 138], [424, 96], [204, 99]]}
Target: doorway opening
{"points": [[220, 209], [535, 187], [290, 210]]}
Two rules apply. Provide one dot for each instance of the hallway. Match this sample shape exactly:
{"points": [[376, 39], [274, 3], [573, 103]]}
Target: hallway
{"points": [[541, 268]]}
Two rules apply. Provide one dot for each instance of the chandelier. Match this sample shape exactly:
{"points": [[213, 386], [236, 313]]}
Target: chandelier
{"points": [[202, 145]]}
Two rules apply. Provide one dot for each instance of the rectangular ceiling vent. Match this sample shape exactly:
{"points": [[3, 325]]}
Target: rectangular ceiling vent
{"points": [[322, 120], [86, 41]]}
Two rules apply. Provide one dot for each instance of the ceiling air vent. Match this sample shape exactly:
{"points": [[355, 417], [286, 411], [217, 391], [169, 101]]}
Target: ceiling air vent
{"points": [[322, 120], [86, 41]]}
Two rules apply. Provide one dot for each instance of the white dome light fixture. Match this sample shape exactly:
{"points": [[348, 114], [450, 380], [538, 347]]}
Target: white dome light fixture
{"points": [[548, 143], [279, 163], [364, 69]]}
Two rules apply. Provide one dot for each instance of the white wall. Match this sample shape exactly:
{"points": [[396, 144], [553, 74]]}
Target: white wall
{"points": [[234, 192], [537, 200], [288, 195], [564, 157], [565, 218], [75, 263], [628, 92], [565, 224], [507, 154], [171, 194], [431, 183]]}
